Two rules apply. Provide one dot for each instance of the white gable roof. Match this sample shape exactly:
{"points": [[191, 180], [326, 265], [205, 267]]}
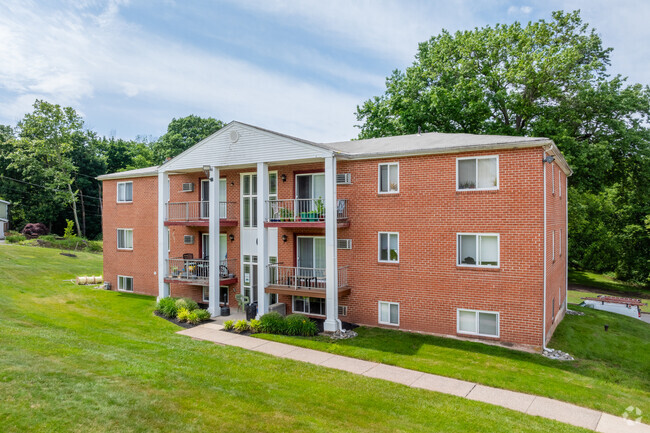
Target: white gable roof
{"points": [[241, 144]]}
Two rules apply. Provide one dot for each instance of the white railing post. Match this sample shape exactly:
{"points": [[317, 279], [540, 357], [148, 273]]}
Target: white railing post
{"points": [[213, 248], [262, 238], [331, 286], [163, 197]]}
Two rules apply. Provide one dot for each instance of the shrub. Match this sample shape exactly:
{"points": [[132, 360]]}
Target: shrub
{"points": [[241, 326], [68, 232], [14, 239], [167, 307], [95, 246], [296, 324], [272, 323], [255, 325], [186, 303], [183, 314], [34, 230], [228, 325], [202, 315]]}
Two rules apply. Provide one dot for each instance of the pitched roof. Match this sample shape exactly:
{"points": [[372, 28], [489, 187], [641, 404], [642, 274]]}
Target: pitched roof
{"points": [[138, 172]]}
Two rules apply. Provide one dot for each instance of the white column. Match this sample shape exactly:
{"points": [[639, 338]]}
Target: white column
{"points": [[262, 238], [213, 248], [163, 198], [331, 263]]}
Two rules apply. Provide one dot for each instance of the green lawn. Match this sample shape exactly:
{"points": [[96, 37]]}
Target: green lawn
{"points": [[608, 284], [612, 371], [74, 359]]}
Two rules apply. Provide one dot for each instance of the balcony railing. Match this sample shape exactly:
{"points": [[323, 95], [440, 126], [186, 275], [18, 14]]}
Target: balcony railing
{"points": [[304, 278], [197, 269], [303, 210], [198, 210]]}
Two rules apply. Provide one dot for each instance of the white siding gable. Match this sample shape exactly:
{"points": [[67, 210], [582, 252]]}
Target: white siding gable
{"points": [[252, 146]]}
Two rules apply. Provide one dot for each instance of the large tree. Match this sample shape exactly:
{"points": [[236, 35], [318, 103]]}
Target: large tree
{"points": [[547, 78], [184, 133]]}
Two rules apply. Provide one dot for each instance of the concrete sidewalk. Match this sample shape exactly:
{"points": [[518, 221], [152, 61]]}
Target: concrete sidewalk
{"points": [[526, 403]]}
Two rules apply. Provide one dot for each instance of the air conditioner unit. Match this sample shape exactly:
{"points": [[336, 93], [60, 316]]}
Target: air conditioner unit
{"points": [[343, 179], [188, 239], [188, 187], [344, 244], [343, 310]]}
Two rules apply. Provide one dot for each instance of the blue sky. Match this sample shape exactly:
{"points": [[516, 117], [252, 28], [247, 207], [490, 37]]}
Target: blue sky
{"points": [[300, 68]]}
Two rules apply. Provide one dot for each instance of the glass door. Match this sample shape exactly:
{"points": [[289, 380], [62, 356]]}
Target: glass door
{"points": [[310, 189], [311, 257], [205, 198]]}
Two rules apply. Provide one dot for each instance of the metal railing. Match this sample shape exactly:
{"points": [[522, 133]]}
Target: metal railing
{"points": [[296, 277], [303, 210], [197, 210], [197, 269]]}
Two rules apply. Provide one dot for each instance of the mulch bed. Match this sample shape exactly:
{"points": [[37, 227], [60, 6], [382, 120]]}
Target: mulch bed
{"points": [[185, 325]]}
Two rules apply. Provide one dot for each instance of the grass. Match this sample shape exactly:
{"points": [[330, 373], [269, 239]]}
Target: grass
{"points": [[606, 283], [75, 359], [612, 371], [575, 297]]}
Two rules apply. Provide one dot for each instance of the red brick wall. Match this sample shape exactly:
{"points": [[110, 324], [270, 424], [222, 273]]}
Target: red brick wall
{"points": [[142, 216]]}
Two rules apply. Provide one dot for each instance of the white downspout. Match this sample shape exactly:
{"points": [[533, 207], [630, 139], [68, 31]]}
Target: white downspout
{"points": [[544, 319]]}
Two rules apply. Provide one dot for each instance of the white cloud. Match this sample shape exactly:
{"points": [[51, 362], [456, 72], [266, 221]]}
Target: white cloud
{"points": [[519, 10]]}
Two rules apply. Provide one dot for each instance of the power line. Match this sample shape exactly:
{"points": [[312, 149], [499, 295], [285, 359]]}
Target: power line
{"points": [[2, 176]]}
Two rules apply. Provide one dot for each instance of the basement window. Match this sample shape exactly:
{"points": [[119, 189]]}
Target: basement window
{"points": [[124, 284], [474, 322]]}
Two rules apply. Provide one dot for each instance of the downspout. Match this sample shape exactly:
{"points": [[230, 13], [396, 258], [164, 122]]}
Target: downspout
{"points": [[544, 299]]}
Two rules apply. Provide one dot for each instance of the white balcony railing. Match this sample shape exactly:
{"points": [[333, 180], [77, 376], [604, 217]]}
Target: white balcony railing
{"points": [[197, 269], [304, 278], [303, 210], [197, 210]]}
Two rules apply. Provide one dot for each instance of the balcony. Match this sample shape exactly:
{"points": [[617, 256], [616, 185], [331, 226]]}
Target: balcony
{"points": [[197, 213], [197, 271], [297, 281], [303, 212]]}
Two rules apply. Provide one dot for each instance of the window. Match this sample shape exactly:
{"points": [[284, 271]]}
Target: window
{"points": [[389, 313], [389, 247], [124, 284], [389, 178], [124, 192], [223, 295], [553, 178], [553, 243], [306, 305], [559, 183], [478, 249], [169, 242], [477, 173], [124, 239], [478, 322], [560, 242]]}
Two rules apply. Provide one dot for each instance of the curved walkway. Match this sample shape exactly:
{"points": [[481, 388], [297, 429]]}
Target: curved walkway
{"points": [[526, 403]]}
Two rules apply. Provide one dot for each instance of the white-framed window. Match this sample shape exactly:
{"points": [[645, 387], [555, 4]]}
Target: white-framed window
{"points": [[477, 322], [388, 313], [477, 173], [559, 182], [223, 295], [169, 242], [388, 247], [307, 305], [553, 178], [389, 178], [553, 244], [476, 249], [124, 283], [560, 243], [124, 239], [124, 192]]}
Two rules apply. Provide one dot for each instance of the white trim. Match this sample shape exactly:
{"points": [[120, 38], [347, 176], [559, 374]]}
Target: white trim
{"points": [[117, 192], [553, 245], [544, 235], [379, 191], [118, 284], [379, 247], [117, 233], [498, 334], [559, 239], [559, 182], [379, 313], [495, 188], [477, 250], [169, 242], [553, 178]]}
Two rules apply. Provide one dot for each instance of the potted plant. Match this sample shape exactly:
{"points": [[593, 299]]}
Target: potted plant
{"points": [[175, 272], [286, 214], [320, 208]]}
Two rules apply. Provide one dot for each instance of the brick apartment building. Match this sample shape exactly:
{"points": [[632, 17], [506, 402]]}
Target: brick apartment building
{"points": [[451, 234]]}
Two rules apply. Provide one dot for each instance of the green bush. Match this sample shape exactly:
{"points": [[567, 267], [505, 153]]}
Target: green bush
{"points": [[167, 307], [297, 324], [186, 303], [68, 232], [255, 325], [95, 246], [202, 315], [14, 239], [272, 323], [241, 326], [193, 317], [183, 314], [228, 325]]}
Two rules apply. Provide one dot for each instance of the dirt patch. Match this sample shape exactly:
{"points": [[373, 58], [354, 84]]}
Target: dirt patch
{"points": [[185, 325]]}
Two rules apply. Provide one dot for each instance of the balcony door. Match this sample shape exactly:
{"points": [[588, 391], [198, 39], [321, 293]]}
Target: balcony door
{"points": [[205, 246], [205, 198], [309, 187], [311, 256]]}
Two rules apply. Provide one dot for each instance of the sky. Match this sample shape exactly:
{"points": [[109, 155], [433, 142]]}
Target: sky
{"points": [[296, 67]]}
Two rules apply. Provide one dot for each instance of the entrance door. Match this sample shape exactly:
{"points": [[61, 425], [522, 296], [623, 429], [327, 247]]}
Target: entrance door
{"points": [[311, 256]]}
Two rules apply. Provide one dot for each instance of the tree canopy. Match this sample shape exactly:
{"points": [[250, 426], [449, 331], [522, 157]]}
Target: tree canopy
{"points": [[182, 134], [545, 79]]}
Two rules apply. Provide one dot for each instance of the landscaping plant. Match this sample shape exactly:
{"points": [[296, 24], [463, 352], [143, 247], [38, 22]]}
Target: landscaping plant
{"points": [[167, 307], [228, 325], [272, 323], [255, 325], [187, 303], [183, 314], [241, 326], [297, 324]]}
